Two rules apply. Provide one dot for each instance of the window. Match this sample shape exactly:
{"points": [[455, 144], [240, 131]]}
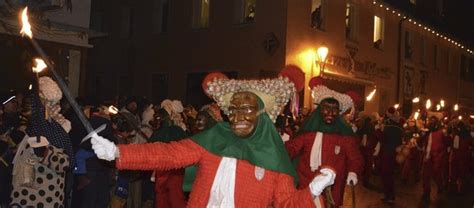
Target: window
{"points": [[126, 22], [350, 21], [244, 11], [408, 47], [318, 13], [423, 51], [200, 14], [378, 32], [413, 2], [97, 15], [161, 15], [435, 58]]}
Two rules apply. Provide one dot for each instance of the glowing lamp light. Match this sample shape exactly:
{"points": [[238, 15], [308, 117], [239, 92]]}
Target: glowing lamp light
{"points": [[416, 100], [40, 65], [371, 95], [322, 53], [456, 107], [113, 110], [428, 104]]}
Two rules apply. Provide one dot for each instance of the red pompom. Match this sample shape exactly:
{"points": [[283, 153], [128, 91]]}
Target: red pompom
{"points": [[315, 81], [356, 99], [295, 74], [210, 77]]}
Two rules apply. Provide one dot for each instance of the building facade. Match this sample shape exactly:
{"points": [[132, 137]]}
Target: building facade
{"points": [[163, 48]]}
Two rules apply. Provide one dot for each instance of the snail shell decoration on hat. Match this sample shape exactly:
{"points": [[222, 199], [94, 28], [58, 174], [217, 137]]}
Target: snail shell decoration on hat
{"points": [[275, 93]]}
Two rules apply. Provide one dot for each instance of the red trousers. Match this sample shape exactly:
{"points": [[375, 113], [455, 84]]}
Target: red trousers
{"points": [[459, 162], [169, 189], [387, 169], [434, 167]]}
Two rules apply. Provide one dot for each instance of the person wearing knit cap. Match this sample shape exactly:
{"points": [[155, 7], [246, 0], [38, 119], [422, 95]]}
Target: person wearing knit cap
{"points": [[327, 140], [434, 156], [393, 134], [242, 163]]}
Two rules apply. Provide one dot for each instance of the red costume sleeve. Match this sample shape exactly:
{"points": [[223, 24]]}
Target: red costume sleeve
{"points": [[294, 146], [161, 156], [355, 161], [286, 194]]}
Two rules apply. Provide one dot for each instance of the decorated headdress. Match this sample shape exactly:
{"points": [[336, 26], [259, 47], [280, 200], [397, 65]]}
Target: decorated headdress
{"points": [[274, 93], [49, 90], [174, 109], [438, 115], [319, 92]]}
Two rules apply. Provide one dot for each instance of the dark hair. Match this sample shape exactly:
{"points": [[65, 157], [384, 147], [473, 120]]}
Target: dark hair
{"points": [[122, 124]]}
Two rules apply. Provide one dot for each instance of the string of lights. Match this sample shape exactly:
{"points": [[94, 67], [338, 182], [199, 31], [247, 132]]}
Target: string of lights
{"points": [[428, 29]]}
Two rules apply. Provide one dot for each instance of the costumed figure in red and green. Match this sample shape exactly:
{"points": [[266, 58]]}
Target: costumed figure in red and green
{"points": [[327, 141], [241, 163]]}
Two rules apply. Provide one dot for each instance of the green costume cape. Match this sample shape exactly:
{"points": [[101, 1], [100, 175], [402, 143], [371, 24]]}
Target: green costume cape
{"points": [[315, 123], [264, 148]]}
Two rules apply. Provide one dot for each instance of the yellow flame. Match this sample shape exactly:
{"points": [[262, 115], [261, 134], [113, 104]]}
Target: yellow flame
{"points": [[428, 104], [417, 114], [40, 65], [30, 87], [471, 116], [442, 103], [460, 117], [456, 107], [371, 95], [113, 109], [438, 107], [396, 106], [416, 100], [26, 28]]}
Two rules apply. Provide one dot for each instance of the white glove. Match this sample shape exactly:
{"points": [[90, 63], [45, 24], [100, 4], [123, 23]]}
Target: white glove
{"points": [[351, 177], [103, 148], [320, 182]]}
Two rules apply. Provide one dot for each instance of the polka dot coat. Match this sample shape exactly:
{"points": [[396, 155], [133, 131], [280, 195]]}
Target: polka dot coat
{"points": [[47, 189]]}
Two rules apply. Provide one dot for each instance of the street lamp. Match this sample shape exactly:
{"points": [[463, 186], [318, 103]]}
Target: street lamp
{"points": [[322, 55]]}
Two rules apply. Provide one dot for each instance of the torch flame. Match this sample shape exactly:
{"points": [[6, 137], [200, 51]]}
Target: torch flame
{"points": [[456, 107], [438, 107], [40, 65], [417, 114], [460, 117], [442, 103], [471, 116], [428, 104], [371, 95], [30, 87], [396, 106], [26, 28], [113, 109], [416, 100]]}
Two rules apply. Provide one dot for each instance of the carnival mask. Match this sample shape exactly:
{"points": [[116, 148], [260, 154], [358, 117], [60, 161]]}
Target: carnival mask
{"points": [[329, 110], [243, 113]]}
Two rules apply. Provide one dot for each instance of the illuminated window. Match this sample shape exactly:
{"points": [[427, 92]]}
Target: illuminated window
{"points": [[378, 32], [350, 21], [200, 14], [244, 11], [318, 13]]}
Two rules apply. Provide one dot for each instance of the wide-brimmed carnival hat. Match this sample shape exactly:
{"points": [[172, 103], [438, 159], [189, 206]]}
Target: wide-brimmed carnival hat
{"points": [[275, 93], [320, 92]]}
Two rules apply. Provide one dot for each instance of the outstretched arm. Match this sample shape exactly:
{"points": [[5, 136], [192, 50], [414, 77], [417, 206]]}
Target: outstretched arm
{"points": [[159, 156]]}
